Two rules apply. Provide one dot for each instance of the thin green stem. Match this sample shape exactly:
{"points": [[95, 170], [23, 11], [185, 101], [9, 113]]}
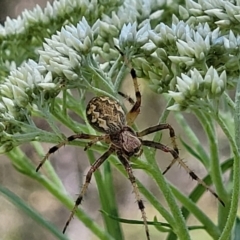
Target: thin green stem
{"points": [[209, 226], [163, 119], [215, 169], [179, 227], [192, 138], [229, 101], [198, 192], [151, 153], [235, 144], [120, 77]]}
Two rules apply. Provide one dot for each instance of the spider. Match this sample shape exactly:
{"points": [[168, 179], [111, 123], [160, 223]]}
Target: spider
{"points": [[107, 116]]}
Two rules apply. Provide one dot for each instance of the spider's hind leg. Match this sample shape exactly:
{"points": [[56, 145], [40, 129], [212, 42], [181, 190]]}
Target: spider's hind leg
{"points": [[93, 168], [132, 179], [182, 164]]}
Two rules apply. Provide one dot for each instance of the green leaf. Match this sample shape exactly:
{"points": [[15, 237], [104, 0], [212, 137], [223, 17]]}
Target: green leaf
{"points": [[19, 203]]}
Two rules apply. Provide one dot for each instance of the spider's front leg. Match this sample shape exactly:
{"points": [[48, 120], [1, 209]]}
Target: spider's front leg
{"points": [[160, 127], [132, 179], [93, 168], [93, 138], [135, 110]]}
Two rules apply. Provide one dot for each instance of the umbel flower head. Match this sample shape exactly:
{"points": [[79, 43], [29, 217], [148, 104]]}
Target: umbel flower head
{"points": [[195, 90]]}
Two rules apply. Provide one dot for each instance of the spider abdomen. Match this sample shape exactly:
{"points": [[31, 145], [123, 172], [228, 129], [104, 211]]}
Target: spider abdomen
{"points": [[105, 115]]}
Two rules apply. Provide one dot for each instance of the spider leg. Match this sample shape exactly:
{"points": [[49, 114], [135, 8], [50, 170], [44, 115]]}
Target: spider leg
{"points": [[188, 170], [169, 166], [135, 110], [93, 168], [161, 127], [53, 149], [128, 98], [132, 179]]}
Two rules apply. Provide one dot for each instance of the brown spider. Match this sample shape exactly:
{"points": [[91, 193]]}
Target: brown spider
{"points": [[106, 115]]}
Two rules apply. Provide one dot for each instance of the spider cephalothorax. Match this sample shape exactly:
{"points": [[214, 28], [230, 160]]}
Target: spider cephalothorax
{"points": [[107, 116]]}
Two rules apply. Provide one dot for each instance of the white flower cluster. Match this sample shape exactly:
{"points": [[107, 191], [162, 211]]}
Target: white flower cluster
{"points": [[190, 44], [195, 89], [50, 13], [19, 89], [18, 95], [62, 55], [224, 13], [131, 39]]}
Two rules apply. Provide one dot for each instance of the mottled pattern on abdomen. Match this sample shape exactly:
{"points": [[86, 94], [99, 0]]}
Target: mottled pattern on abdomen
{"points": [[105, 115]]}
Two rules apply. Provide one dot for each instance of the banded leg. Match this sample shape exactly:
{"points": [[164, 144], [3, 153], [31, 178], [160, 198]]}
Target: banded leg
{"points": [[135, 110], [161, 127], [132, 179], [128, 98], [182, 164], [93, 168], [53, 149]]}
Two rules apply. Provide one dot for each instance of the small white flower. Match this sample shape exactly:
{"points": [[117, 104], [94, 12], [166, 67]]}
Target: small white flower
{"points": [[233, 43], [183, 12], [48, 78], [177, 96], [6, 90], [223, 23], [179, 59], [47, 86], [183, 83], [175, 107], [9, 104], [156, 15], [130, 37], [70, 75], [217, 12]]}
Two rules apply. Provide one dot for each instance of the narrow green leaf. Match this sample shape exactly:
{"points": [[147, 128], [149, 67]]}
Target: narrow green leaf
{"points": [[191, 150], [19, 203]]}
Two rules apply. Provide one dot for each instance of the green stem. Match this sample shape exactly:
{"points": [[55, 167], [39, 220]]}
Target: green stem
{"points": [[235, 144], [229, 101], [120, 77], [192, 138], [215, 169], [209, 226], [163, 119], [179, 227]]}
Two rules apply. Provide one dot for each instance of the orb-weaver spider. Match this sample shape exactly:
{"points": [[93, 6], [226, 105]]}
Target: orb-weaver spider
{"points": [[106, 115]]}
